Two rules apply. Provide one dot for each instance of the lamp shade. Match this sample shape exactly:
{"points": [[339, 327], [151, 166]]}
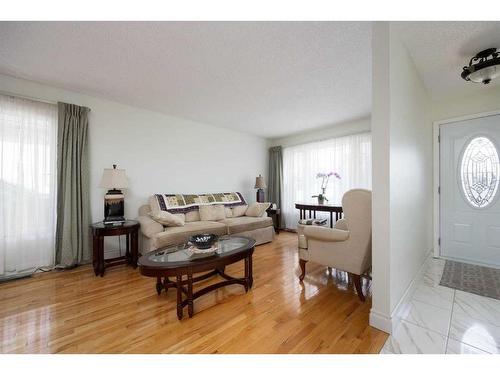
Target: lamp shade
{"points": [[114, 178], [260, 183]]}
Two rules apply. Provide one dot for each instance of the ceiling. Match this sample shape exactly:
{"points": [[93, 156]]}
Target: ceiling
{"points": [[266, 78], [441, 49]]}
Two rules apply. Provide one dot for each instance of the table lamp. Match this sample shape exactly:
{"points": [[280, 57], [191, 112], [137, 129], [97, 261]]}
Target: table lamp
{"points": [[260, 185], [114, 204]]}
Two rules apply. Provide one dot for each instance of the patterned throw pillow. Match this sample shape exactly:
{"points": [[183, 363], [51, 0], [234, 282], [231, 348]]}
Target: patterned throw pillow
{"points": [[212, 212], [257, 209]]}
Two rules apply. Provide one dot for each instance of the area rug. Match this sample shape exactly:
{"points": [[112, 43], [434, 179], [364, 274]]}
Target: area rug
{"points": [[484, 281]]}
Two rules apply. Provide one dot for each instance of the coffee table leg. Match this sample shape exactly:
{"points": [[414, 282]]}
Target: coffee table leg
{"points": [[159, 285], [190, 294], [247, 274], [179, 297], [250, 271]]}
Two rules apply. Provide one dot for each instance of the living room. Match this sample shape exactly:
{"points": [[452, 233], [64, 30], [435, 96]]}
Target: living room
{"points": [[228, 187]]}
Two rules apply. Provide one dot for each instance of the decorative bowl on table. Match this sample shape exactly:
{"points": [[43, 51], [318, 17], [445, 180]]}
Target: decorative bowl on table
{"points": [[203, 241]]}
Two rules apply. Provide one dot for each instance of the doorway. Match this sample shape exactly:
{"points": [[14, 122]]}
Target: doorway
{"points": [[469, 208]]}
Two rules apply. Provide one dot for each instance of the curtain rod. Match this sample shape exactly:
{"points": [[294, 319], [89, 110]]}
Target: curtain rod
{"points": [[6, 93], [27, 97]]}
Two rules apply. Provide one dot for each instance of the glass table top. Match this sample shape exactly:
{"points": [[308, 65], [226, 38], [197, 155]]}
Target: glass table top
{"points": [[182, 253]]}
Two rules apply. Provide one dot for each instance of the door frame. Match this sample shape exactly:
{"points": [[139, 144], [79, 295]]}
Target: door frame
{"points": [[435, 140]]}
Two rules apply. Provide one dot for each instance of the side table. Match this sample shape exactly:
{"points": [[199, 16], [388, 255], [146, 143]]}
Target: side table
{"points": [[130, 229], [275, 214]]}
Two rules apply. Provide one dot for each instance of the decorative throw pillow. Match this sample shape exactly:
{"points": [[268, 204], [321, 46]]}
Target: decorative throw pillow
{"points": [[257, 209], [212, 212], [168, 219], [239, 210]]}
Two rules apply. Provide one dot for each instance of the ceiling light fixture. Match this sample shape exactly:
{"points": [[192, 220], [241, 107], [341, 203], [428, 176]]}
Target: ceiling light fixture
{"points": [[483, 67]]}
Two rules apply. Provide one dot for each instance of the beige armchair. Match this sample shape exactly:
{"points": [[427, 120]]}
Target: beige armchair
{"points": [[348, 246]]}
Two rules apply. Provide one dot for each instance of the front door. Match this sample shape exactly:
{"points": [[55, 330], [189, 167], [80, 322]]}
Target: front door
{"points": [[469, 191]]}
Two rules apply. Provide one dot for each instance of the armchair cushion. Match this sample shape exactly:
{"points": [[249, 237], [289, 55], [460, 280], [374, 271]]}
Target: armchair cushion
{"points": [[341, 224], [325, 234]]}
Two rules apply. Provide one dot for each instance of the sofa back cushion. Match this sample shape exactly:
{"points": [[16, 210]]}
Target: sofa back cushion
{"points": [[257, 209], [192, 216], [212, 212], [238, 211], [167, 219]]}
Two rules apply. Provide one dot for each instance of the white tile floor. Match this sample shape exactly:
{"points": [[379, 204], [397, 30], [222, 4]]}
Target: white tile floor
{"points": [[441, 320]]}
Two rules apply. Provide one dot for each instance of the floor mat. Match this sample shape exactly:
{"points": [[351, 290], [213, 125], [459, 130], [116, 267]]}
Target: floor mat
{"points": [[484, 281]]}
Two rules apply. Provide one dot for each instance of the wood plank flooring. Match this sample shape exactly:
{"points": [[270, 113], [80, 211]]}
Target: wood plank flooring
{"points": [[76, 312]]}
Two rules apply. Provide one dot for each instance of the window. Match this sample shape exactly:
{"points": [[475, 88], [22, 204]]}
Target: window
{"points": [[349, 156], [28, 133], [479, 172]]}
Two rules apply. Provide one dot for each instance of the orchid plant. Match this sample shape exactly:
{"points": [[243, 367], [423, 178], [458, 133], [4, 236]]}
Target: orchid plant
{"points": [[324, 183]]}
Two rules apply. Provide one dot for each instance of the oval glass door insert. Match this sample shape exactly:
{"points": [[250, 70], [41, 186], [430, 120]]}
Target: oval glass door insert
{"points": [[479, 172]]}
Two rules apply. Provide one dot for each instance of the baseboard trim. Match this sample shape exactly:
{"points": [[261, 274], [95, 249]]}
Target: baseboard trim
{"points": [[380, 321], [389, 323]]}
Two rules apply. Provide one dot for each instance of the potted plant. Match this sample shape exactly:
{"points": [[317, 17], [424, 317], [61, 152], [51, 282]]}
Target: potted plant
{"points": [[324, 183]]}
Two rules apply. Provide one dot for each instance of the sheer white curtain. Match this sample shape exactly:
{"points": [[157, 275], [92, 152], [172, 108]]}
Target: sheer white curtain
{"points": [[349, 156], [28, 134]]}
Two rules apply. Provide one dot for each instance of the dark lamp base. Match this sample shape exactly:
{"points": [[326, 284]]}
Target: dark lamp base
{"points": [[260, 196]]}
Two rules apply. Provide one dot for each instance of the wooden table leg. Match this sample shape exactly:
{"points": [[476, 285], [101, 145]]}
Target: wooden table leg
{"points": [[127, 249], [278, 223], [95, 255], [190, 294], [248, 272], [179, 296], [134, 239], [102, 267], [331, 219], [159, 285], [247, 275]]}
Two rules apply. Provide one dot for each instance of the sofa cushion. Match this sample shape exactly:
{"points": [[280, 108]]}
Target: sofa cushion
{"points": [[246, 223], [239, 210], [257, 209], [168, 219], [229, 211], [178, 235], [212, 212], [192, 216]]}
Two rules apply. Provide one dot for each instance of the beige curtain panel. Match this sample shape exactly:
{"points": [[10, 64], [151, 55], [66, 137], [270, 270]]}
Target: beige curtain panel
{"points": [[73, 203]]}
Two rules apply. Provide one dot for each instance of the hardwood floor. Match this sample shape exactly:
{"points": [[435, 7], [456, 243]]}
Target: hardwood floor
{"points": [[76, 312]]}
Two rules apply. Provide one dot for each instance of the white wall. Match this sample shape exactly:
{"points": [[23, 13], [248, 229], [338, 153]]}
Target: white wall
{"points": [[338, 130], [485, 101], [160, 153], [402, 169], [411, 171], [380, 311]]}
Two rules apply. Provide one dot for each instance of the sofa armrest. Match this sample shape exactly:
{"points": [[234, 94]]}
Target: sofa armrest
{"points": [[149, 227], [325, 234], [341, 224]]}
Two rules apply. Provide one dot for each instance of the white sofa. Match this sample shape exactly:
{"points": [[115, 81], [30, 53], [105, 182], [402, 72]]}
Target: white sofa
{"points": [[154, 235]]}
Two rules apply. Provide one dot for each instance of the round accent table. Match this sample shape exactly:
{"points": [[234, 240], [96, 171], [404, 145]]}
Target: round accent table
{"points": [[130, 228]]}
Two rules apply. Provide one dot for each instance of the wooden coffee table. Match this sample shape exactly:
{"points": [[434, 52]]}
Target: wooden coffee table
{"points": [[179, 262]]}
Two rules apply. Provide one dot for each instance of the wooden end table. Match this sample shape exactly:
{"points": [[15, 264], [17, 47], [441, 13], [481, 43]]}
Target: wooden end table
{"points": [[275, 214], [130, 229]]}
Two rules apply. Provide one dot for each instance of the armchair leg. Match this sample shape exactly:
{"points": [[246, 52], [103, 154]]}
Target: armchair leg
{"points": [[302, 264], [357, 284]]}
